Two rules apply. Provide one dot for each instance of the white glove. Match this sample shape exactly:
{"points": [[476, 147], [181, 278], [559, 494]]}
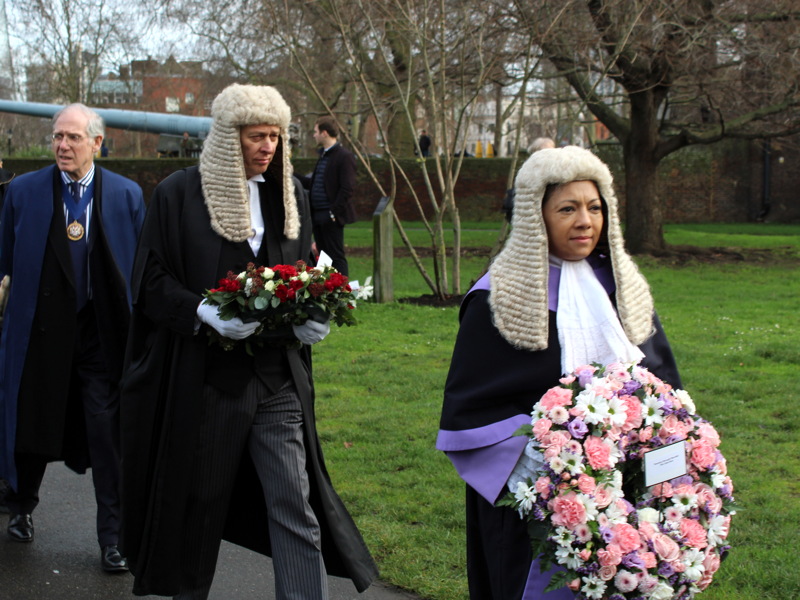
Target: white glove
{"points": [[312, 332], [234, 329], [528, 466]]}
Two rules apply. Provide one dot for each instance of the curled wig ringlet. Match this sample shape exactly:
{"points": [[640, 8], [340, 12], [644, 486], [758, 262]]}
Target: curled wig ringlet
{"points": [[222, 167], [519, 274]]}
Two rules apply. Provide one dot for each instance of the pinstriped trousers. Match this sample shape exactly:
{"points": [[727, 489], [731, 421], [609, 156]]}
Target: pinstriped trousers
{"points": [[269, 427]]}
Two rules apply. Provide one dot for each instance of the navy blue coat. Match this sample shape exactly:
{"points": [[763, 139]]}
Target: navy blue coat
{"points": [[40, 316]]}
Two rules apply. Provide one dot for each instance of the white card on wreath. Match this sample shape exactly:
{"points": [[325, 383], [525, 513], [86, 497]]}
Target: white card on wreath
{"points": [[324, 260], [665, 463]]}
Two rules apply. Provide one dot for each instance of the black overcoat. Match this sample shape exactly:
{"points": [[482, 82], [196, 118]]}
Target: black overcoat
{"points": [[176, 262]]}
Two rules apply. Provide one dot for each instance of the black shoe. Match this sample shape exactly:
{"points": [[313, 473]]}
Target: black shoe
{"points": [[112, 561], [20, 528]]}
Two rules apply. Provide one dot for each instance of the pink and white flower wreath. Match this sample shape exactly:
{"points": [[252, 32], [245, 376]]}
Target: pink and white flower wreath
{"points": [[588, 510]]}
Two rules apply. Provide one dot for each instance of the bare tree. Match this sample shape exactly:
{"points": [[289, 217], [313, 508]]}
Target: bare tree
{"points": [[689, 72], [69, 42]]}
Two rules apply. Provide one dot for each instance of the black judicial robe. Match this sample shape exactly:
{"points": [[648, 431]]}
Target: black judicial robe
{"points": [[176, 262]]}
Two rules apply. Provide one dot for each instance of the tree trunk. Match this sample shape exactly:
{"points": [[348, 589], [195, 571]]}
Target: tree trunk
{"points": [[643, 216]]}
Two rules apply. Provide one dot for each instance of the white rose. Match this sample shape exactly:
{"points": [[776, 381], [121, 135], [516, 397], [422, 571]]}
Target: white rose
{"points": [[268, 274], [686, 401], [662, 591], [304, 276], [269, 286], [648, 515]]}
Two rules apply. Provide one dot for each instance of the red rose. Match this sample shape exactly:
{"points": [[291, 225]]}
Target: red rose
{"points": [[228, 285], [295, 284], [282, 292], [285, 272]]}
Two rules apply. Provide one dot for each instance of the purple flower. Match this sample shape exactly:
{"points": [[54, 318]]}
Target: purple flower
{"points": [[665, 569], [633, 561], [616, 597], [577, 428], [584, 377], [682, 480], [629, 387], [605, 532]]}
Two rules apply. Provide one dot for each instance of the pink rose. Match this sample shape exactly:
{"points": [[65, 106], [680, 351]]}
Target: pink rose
{"points": [[677, 566], [557, 396], [711, 564], [633, 412], [559, 439], [694, 533], [541, 427], [574, 585], [703, 454], [585, 554], [611, 555], [586, 484], [597, 453], [707, 499], [607, 573], [708, 434], [626, 537], [665, 547], [542, 487], [568, 511], [647, 530], [602, 496], [662, 490], [645, 434], [649, 560], [672, 425]]}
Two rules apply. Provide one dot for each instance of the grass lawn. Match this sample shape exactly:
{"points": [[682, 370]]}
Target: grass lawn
{"points": [[734, 327]]}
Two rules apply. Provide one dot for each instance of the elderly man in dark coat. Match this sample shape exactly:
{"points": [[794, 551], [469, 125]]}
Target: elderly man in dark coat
{"points": [[222, 443], [69, 234]]}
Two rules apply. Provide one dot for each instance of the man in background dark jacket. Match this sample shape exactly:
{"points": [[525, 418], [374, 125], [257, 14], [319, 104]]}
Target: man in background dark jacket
{"points": [[331, 190]]}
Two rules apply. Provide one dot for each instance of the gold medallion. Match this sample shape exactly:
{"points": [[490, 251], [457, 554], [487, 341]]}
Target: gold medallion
{"points": [[74, 231]]}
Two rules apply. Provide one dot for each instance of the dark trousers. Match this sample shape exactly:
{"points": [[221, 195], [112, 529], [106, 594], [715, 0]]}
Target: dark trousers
{"points": [[329, 237], [269, 426], [100, 400], [498, 550]]}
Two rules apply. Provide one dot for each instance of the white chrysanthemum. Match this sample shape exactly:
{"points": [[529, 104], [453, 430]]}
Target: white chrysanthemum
{"points": [[717, 530], [686, 401], [692, 559], [563, 537], [568, 557], [557, 465], [559, 415], [538, 412], [267, 274], [648, 515], [614, 454], [653, 414], [526, 496], [616, 514], [589, 505], [685, 502], [593, 586], [593, 408], [617, 414], [572, 462], [663, 591], [717, 480]]}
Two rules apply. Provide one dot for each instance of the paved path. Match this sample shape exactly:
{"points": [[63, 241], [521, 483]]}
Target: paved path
{"points": [[63, 561]]}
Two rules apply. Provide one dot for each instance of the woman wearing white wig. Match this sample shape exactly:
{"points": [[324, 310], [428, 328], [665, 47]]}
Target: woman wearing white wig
{"points": [[561, 294]]}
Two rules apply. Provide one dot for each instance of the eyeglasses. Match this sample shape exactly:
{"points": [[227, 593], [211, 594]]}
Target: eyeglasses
{"points": [[73, 139]]}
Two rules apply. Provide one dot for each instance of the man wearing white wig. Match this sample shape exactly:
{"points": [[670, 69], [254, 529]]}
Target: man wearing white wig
{"points": [[561, 294], [222, 443]]}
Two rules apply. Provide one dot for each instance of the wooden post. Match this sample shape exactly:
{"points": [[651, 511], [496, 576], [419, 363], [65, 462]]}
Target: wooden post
{"points": [[383, 250]]}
